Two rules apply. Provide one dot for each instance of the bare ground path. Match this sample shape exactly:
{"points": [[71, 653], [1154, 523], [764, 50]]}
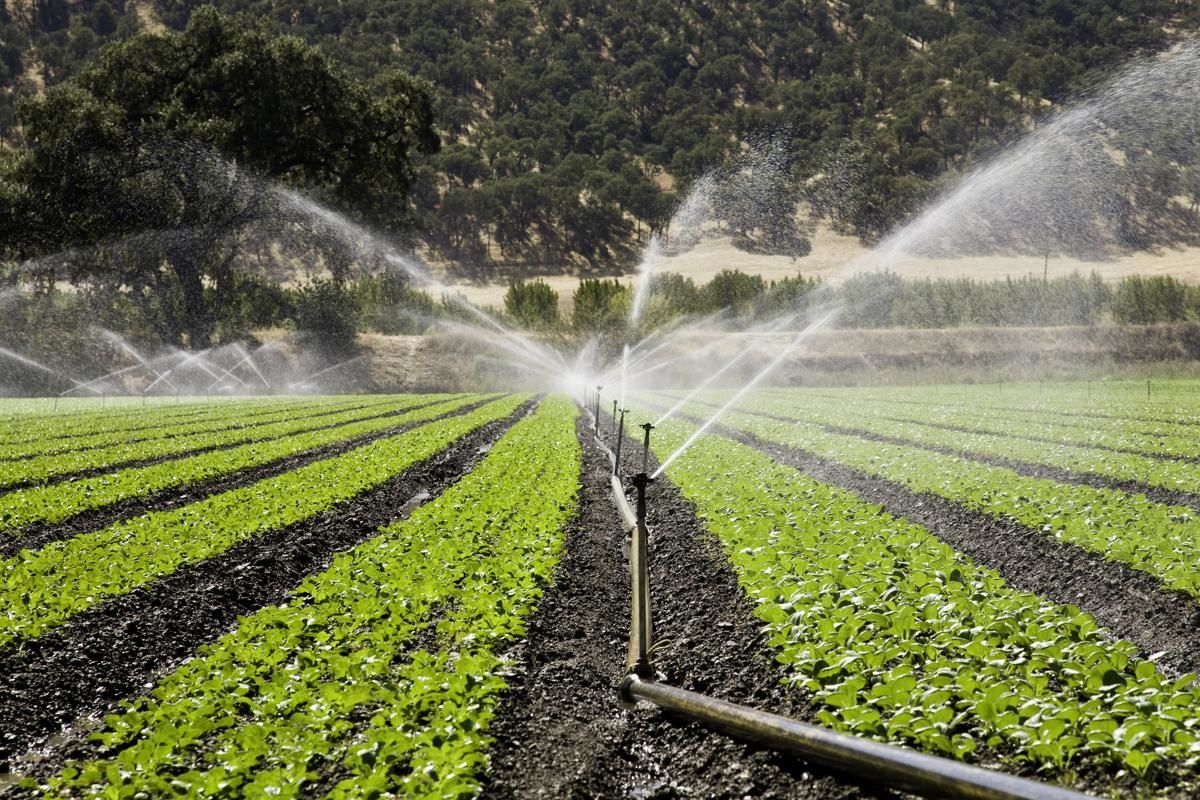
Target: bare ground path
{"points": [[560, 731]]}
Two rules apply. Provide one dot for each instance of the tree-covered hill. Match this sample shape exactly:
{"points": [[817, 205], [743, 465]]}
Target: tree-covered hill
{"points": [[569, 126]]}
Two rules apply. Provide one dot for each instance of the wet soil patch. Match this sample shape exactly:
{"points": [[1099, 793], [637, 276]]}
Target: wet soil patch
{"points": [[113, 651], [1133, 605], [560, 731], [247, 420], [106, 469], [38, 535]]}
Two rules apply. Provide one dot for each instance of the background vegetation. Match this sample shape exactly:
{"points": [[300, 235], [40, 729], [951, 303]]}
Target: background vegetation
{"points": [[570, 126]]}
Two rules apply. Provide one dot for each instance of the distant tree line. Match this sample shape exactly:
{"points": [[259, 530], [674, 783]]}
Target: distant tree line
{"points": [[867, 300]]}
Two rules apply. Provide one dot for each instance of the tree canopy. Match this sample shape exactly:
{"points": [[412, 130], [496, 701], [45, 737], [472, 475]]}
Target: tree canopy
{"points": [[572, 126], [155, 152]]}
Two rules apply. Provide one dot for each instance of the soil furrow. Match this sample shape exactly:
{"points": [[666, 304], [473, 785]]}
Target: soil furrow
{"points": [[560, 731], [116, 466], [244, 421], [35, 536], [1132, 451], [73, 674], [1159, 494], [1171, 497], [1131, 604]]}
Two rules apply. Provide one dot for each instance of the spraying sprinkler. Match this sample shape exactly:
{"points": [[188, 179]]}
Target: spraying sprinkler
{"points": [[647, 427], [620, 437], [614, 421], [596, 415]]}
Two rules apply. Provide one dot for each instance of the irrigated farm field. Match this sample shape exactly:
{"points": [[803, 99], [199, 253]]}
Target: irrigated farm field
{"points": [[374, 596]]}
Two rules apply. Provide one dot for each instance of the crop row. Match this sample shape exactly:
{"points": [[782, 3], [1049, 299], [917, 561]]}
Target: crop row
{"points": [[48, 504], [33, 427], [1158, 438], [379, 675], [49, 467], [229, 419], [1168, 474], [1170, 402], [1158, 539], [903, 639], [40, 589]]}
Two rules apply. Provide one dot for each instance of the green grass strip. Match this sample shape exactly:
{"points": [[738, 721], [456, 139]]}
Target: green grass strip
{"points": [[329, 683], [41, 589]]}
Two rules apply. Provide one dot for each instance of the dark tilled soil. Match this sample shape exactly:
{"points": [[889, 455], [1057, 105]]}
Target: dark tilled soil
{"points": [[105, 469], [35, 536], [560, 732], [1133, 605], [76, 673]]}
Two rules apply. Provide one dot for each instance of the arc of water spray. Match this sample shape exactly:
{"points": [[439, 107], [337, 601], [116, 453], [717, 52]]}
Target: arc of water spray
{"points": [[131, 351], [780, 323], [246, 357], [808, 331], [187, 359], [4, 351], [88, 384], [319, 373]]}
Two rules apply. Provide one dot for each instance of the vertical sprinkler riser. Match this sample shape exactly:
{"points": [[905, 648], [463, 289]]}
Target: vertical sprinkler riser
{"points": [[642, 631], [620, 438], [596, 411], [647, 427]]}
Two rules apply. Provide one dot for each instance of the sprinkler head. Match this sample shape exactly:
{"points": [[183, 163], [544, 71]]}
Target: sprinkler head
{"points": [[641, 480]]}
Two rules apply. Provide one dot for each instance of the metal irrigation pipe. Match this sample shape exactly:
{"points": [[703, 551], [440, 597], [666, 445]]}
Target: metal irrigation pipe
{"points": [[894, 767]]}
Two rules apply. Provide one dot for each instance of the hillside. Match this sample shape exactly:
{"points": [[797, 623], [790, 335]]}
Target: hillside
{"points": [[568, 126]]}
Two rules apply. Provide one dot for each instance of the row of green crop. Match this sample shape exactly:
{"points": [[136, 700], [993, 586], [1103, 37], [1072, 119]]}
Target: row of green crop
{"points": [[383, 671], [903, 639], [48, 504], [36, 427], [1163, 473], [1159, 438], [231, 418], [1155, 538], [40, 589], [44, 468], [1170, 401]]}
